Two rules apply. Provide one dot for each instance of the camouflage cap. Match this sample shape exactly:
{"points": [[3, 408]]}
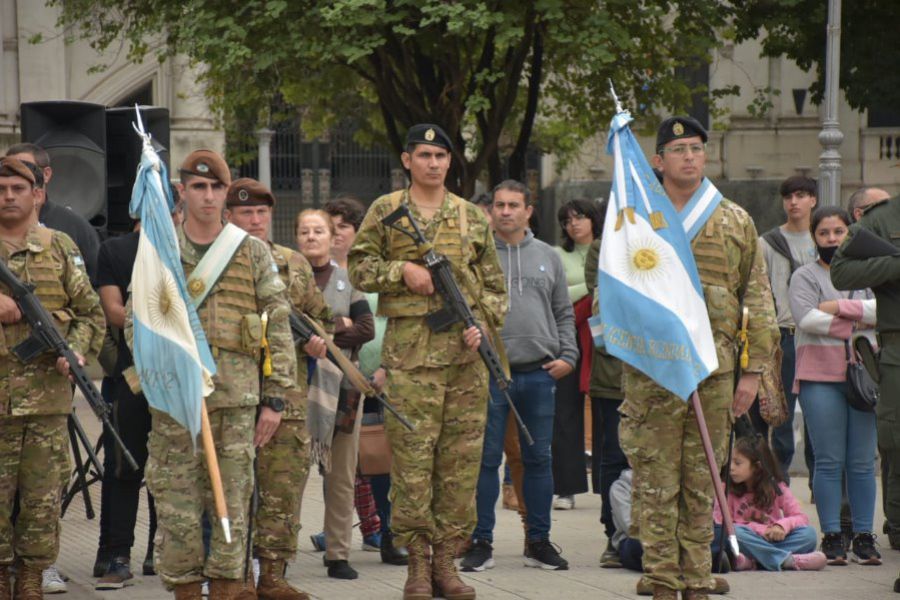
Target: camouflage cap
{"points": [[676, 128], [13, 167], [208, 164], [427, 133], [248, 192]]}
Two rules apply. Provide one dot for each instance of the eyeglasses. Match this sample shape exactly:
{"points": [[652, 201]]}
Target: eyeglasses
{"points": [[571, 219], [682, 149]]}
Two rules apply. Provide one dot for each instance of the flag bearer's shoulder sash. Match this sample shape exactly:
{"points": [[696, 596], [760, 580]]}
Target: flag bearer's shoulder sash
{"points": [[214, 263], [700, 208]]}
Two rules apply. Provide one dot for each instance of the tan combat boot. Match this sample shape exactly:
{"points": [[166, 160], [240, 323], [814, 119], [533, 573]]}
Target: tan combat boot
{"points": [[695, 594], [231, 589], [418, 569], [28, 583], [189, 591], [445, 577], [272, 584]]}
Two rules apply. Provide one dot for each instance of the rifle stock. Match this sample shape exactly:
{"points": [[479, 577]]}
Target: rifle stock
{"points": [[45, 336]]}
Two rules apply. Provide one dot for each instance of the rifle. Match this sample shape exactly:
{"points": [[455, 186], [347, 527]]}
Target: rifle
{"points": [[303, 328], [45, 336], [455, 309]]}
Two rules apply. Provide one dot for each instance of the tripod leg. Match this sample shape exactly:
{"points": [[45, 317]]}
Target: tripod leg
{"points": [[80, 482]]}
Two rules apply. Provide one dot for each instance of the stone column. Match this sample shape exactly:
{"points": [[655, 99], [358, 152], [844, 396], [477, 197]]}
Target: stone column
{"points": [[831, 137], [264, 137]]}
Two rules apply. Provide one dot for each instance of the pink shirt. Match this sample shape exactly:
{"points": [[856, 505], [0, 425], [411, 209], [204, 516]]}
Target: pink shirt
{"points": [[785, 511]]}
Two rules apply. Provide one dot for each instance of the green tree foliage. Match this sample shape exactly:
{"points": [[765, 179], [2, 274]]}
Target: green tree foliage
{"points": [[870, 69], [498, 75]]}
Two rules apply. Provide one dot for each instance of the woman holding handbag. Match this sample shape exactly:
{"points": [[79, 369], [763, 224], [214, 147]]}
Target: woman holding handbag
{"points": [[843, 437]]}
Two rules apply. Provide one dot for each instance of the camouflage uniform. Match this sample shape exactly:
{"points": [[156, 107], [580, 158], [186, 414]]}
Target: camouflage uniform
{"points": [[283, 463], [176, 475], [35, 399], [657, 430], [438, 383]]}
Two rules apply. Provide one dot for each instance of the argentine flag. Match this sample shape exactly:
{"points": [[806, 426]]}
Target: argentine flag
{"points": [[652, 312], [171, 354]]}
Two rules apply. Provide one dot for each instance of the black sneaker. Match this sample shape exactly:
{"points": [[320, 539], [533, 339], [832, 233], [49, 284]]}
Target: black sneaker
{"points": [[101, 564], [391, 555], [478, 558], [341, 569], [544, 554], [833, 548], [117, 575], [863, 549]]}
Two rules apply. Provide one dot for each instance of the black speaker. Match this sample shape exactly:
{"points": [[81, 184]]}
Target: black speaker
{"points": [[123, 156], [74, 135]]}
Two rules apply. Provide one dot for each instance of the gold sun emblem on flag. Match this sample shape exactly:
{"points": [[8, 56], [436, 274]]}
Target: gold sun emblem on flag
{"points": [[646, 259], [164, 310]]}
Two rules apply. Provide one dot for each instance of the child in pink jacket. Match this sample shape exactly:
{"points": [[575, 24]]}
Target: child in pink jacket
{"points": [[773, 532]]}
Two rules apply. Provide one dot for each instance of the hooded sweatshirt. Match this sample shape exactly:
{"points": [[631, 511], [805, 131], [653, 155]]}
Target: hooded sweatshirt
{"points": [[540, 324]]}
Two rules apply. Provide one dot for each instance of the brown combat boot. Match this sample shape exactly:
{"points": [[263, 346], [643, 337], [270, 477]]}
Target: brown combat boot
{"points": [[272, 584], [189, 591], [661, 592], [695, 594], [5, 585], [444, 576], [28, 583], [418, 569], [231, 589]]}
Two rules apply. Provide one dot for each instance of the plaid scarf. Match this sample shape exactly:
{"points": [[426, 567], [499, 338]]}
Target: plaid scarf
{"points": [[322, 410]]}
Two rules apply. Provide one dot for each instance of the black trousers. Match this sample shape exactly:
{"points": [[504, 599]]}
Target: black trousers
{"points": [[122, 485], [569, 469]]}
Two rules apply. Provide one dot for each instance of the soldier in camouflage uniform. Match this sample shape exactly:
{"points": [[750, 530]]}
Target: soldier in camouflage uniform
{"points": [[281, 436], [436, 379], [230, 316], [37, 397], [673, 514]]}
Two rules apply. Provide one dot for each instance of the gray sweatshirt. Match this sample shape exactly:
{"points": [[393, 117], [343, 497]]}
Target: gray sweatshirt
{"points": [[540, 324]]}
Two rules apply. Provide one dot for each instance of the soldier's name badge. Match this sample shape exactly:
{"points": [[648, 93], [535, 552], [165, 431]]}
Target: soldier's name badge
{"points": [[341, 286]]}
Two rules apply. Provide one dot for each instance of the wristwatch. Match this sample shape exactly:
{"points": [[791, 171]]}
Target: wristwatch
{"points": [[273, 402]]}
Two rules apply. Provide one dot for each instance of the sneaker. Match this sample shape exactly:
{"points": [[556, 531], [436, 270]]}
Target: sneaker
{"points": [[52, 581], [610, 557], [544, 554], [478, 558], [117, 575], [742, 562], [341, 569], [318, 541], [863, 549], [564, 503], [101, 563], [833, 548], [204, 589], [371, 543], [811, 561]]}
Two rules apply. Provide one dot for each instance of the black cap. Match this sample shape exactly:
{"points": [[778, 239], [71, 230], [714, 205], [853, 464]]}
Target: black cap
{"points": [[427, 133], [675, 128]]}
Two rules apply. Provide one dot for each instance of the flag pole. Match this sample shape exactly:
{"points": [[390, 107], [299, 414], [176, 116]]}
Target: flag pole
{"points": [[727, 521]]}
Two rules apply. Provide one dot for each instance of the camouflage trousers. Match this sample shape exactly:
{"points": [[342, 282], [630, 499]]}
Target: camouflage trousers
{"points": [[282, 468], [673, 493], [178, 479], [34, 460], [435, 468]]}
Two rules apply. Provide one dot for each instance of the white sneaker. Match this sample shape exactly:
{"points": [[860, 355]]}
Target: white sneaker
{"points": [[52, 581], [564, 503], [204, 589]]}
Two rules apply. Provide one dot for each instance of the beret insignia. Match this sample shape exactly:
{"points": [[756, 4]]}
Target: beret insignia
{"points": [[678, 129], [429, 135], [202, 168], [243, 196]]}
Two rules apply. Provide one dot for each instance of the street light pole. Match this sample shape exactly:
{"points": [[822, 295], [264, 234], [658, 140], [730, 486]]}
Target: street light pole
{"points": [[831, 137]]}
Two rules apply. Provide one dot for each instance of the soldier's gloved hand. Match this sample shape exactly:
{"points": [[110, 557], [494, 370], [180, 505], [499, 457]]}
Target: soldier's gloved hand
{"points": [[418, 279], [472, 338], [745, 394], [62, 365], [9, 310], [315, 347], [266, 426]]}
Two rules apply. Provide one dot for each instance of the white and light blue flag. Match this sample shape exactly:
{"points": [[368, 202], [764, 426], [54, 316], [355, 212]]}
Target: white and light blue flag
{"points": [[652, 312], [171, 354]]}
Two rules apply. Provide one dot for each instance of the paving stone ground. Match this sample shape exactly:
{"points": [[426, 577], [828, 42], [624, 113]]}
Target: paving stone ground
{"points": [[578, 532]]}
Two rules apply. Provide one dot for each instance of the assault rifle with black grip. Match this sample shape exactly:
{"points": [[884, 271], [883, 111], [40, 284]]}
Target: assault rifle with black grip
{"points": [[456, 309], [303, 329], [45, 336]]}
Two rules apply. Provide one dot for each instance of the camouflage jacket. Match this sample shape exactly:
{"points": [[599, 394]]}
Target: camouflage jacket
{"points": [[373, 267], [61, 283]]}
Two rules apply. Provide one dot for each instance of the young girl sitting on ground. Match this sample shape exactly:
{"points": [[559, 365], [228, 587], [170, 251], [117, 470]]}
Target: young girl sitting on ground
{"points": [[772, 531]]}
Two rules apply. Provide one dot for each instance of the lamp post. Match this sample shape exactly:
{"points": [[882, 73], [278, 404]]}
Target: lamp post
{"points": [[831, 137], [264, 139]]}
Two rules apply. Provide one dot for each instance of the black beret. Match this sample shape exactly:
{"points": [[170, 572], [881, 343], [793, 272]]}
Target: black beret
{"points": [[248, 192], [427, 133], [208, 164], [676, 128]]}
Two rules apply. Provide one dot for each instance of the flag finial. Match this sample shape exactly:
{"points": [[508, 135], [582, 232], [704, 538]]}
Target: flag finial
{"points": [[612, 92]]}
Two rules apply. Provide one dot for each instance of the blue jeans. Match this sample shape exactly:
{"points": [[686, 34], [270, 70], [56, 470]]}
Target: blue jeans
{"points": [[771, 555], [844, 441], [533, 394], [381, 487]]}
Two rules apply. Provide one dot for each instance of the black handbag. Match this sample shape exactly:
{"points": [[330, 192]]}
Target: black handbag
{"points": [[862, 391]]}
